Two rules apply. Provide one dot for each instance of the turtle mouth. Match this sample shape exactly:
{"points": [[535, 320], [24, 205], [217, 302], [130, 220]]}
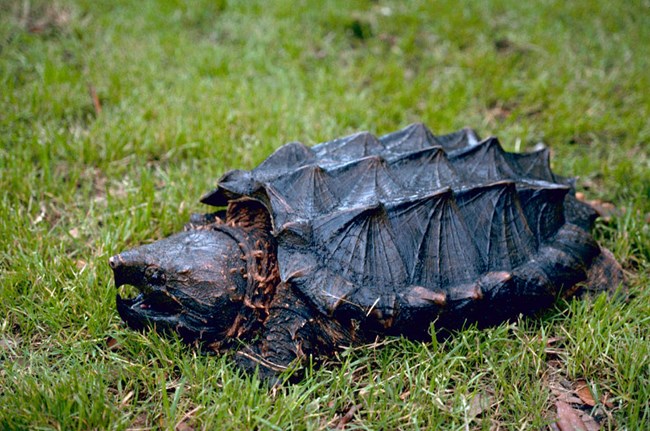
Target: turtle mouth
{"points": [[148, 307], [158, 310]]}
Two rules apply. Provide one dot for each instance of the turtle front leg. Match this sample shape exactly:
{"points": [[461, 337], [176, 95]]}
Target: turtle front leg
{"points": [[293, 331]]}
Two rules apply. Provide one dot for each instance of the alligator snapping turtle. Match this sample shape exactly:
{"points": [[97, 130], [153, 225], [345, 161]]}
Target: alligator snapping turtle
{"points": [[334, 245]]}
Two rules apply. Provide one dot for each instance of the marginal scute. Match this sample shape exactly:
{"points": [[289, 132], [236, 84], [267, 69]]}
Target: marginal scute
{"points": [[419, 296]]}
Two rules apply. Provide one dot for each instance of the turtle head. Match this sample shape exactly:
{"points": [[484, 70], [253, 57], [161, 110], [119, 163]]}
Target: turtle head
{"points": [[191, 283]]}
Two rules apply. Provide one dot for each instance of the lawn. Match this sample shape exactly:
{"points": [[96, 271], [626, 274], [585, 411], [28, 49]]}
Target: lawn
{"points": [[116, 116]]}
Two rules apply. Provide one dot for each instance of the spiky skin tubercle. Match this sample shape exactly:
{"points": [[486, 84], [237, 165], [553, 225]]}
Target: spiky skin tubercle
{"points": [[364, 236]]}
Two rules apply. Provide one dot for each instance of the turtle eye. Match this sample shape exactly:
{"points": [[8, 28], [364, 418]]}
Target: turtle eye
{"points": [[155, 275]]}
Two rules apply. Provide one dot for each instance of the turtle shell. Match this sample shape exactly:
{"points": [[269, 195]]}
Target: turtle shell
{"points": [[368, 226]]}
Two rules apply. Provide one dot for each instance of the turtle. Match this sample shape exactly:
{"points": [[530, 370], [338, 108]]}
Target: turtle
{"points": [[319, 248]]}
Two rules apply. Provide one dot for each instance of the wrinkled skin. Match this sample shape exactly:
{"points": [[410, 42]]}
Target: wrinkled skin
{"points": [[216, 284], [191, 283]]}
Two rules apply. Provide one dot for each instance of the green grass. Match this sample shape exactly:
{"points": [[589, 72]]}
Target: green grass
{"points": [[190, 89]]}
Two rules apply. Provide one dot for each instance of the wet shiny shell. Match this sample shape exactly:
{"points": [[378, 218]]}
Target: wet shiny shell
{"points": [[369, 226]]}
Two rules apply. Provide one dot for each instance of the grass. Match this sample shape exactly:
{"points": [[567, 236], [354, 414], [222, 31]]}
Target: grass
{"points": [[190, 89]]}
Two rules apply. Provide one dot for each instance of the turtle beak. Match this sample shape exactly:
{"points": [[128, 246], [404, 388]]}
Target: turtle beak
{"points": [[114, 263], [152, 304], [125, 271]]}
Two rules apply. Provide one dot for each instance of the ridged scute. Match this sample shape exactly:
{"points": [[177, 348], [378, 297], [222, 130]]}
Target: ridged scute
{"points": [[368, 225]]}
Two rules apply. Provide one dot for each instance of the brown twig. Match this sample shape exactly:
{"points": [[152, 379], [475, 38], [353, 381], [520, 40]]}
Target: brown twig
{"points": [[348, 416], [96, 103]]}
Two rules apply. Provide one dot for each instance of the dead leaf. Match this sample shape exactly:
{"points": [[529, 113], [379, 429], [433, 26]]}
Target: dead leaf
{"points": [[112, 343], [404, 395], [590, 422], [565, 396], [479, 403], [570, 419], [576, 407], [583, 391]]}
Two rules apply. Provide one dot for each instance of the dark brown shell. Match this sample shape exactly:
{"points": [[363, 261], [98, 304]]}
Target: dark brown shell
{"points": [[367, 226]]}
